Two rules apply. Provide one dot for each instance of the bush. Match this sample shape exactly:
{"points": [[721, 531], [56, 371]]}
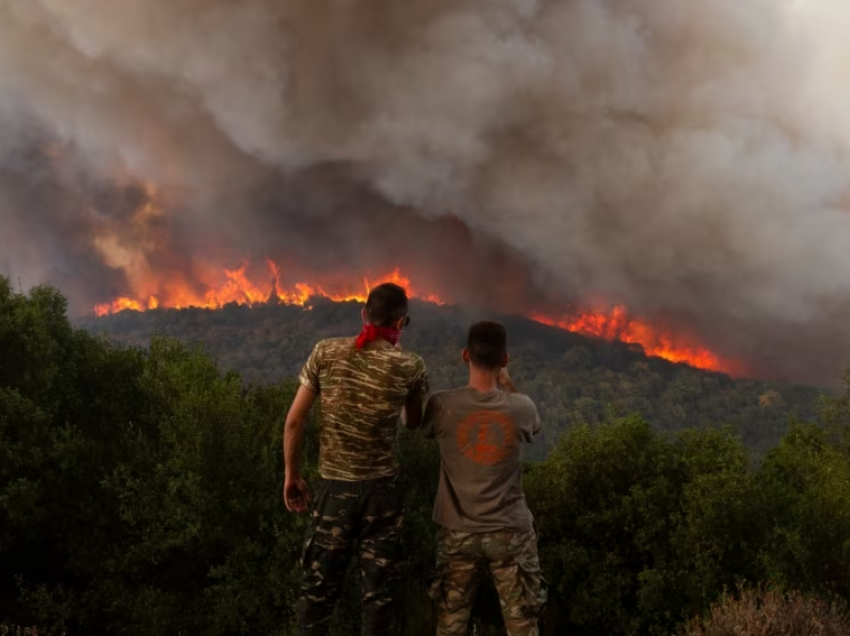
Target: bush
{"points": [[806, 479], [639, 532], [760, 612]]}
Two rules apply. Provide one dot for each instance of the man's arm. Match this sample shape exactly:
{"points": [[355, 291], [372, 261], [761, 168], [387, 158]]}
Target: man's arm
{"points": [[420, 388], [536, 426], [505, 381], [412, 416], [508, 385], [296, 495], [429, 420]]}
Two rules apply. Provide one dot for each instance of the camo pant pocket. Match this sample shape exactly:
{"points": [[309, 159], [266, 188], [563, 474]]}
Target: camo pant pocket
{"points": [[534, 588]]}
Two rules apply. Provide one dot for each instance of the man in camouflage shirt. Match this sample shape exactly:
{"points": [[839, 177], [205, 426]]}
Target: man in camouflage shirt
{"points": [[364, 385], [484, 522]]}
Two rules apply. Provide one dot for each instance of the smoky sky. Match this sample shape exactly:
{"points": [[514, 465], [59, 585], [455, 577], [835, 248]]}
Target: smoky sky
{"points": [[686, 159]]}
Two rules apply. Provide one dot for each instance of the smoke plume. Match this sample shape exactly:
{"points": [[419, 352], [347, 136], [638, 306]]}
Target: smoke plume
{"points": [[687, 159]]}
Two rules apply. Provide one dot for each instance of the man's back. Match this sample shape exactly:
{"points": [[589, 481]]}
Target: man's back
{"points": [[481, 437], [362, 393]]}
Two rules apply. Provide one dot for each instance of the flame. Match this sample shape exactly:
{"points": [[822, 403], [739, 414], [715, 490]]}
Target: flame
{"points": [[616, 324], [236, 286], [119, 304]]}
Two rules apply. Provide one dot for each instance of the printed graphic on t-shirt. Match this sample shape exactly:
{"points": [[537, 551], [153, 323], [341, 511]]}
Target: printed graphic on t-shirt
{"points": [[485, 437]]}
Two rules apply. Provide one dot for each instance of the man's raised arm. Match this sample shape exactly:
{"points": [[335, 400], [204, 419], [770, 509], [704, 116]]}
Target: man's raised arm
{"points": [[508, 385], [505, 381]]}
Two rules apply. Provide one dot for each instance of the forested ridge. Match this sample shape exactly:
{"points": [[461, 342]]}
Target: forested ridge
{"points": [[140, 485], [572, 378]]}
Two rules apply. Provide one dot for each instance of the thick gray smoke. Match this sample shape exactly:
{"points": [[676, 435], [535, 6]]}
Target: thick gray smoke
{"points": [[687, 159]]}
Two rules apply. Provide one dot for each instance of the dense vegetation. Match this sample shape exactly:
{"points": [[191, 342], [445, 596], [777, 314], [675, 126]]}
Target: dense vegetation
{"points": [[140, 496], [572, 378]]}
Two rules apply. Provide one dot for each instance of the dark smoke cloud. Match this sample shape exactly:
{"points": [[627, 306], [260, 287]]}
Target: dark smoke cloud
{"points": [[689, 160]]}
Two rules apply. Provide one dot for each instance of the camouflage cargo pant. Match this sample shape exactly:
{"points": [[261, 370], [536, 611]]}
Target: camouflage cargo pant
{"points": [[511, 558], [368, 512]]}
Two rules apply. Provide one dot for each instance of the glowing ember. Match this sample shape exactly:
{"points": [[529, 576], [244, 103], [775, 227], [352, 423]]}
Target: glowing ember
{"points": [[235, 286]]}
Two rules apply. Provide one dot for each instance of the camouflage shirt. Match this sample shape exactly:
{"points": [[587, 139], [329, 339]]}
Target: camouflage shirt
{"points": [[362, 394]]}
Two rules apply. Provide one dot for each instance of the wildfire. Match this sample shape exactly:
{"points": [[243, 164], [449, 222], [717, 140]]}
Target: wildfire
{"points": [[617, 325], [236, 286]]}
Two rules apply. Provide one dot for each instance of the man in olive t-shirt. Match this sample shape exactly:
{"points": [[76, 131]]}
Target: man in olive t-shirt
{"points": [[364, 385], [480, 505]]}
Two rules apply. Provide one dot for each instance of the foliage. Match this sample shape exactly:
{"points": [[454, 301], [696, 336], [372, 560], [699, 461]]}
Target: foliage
{"points": [[807, 478], [139, 490], [140, 487], [639, 532], [66, 400]]}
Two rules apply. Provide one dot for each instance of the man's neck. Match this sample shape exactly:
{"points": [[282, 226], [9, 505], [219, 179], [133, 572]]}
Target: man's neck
{"points": [[483, 380]]}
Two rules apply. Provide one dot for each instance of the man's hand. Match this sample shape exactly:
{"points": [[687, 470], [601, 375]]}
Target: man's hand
{"points": [[296, 494]]}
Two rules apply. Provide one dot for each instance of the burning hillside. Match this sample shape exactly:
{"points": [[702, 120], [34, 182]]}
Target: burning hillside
{"points": [[685, 162], [238, 288]]}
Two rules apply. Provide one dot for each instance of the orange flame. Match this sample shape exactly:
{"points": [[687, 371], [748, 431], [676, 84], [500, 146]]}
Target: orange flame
{"points": [[661, 343], [235, 286], [119, 304]]}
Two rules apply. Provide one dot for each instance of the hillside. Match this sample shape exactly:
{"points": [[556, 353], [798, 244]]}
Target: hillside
{"points": [[572, 378]]}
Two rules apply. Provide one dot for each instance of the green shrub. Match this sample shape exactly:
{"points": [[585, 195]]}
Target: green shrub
{"points": [[638, 532]]}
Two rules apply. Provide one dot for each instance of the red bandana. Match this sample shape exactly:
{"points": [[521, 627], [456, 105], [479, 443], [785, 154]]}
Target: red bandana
{"points": [[371, 332]]}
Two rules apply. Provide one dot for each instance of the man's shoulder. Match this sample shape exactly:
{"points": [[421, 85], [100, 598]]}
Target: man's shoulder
{"points": [[408, 363], [340, 348], [447, 394], [448, 398], [408, 356], [335, 344], [521, 401]]}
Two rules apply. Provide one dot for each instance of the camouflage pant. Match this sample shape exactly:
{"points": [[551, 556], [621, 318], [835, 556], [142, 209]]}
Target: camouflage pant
{"points": [[512, 560], [345, 512]]}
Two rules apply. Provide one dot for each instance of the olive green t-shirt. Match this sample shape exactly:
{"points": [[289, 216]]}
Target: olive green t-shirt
{"points": [[481, 438], [362, 394]]}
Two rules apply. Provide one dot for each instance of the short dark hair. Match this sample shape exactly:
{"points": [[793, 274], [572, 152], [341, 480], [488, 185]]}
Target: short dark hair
{"points": [[386, 304], [487, 343]]}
